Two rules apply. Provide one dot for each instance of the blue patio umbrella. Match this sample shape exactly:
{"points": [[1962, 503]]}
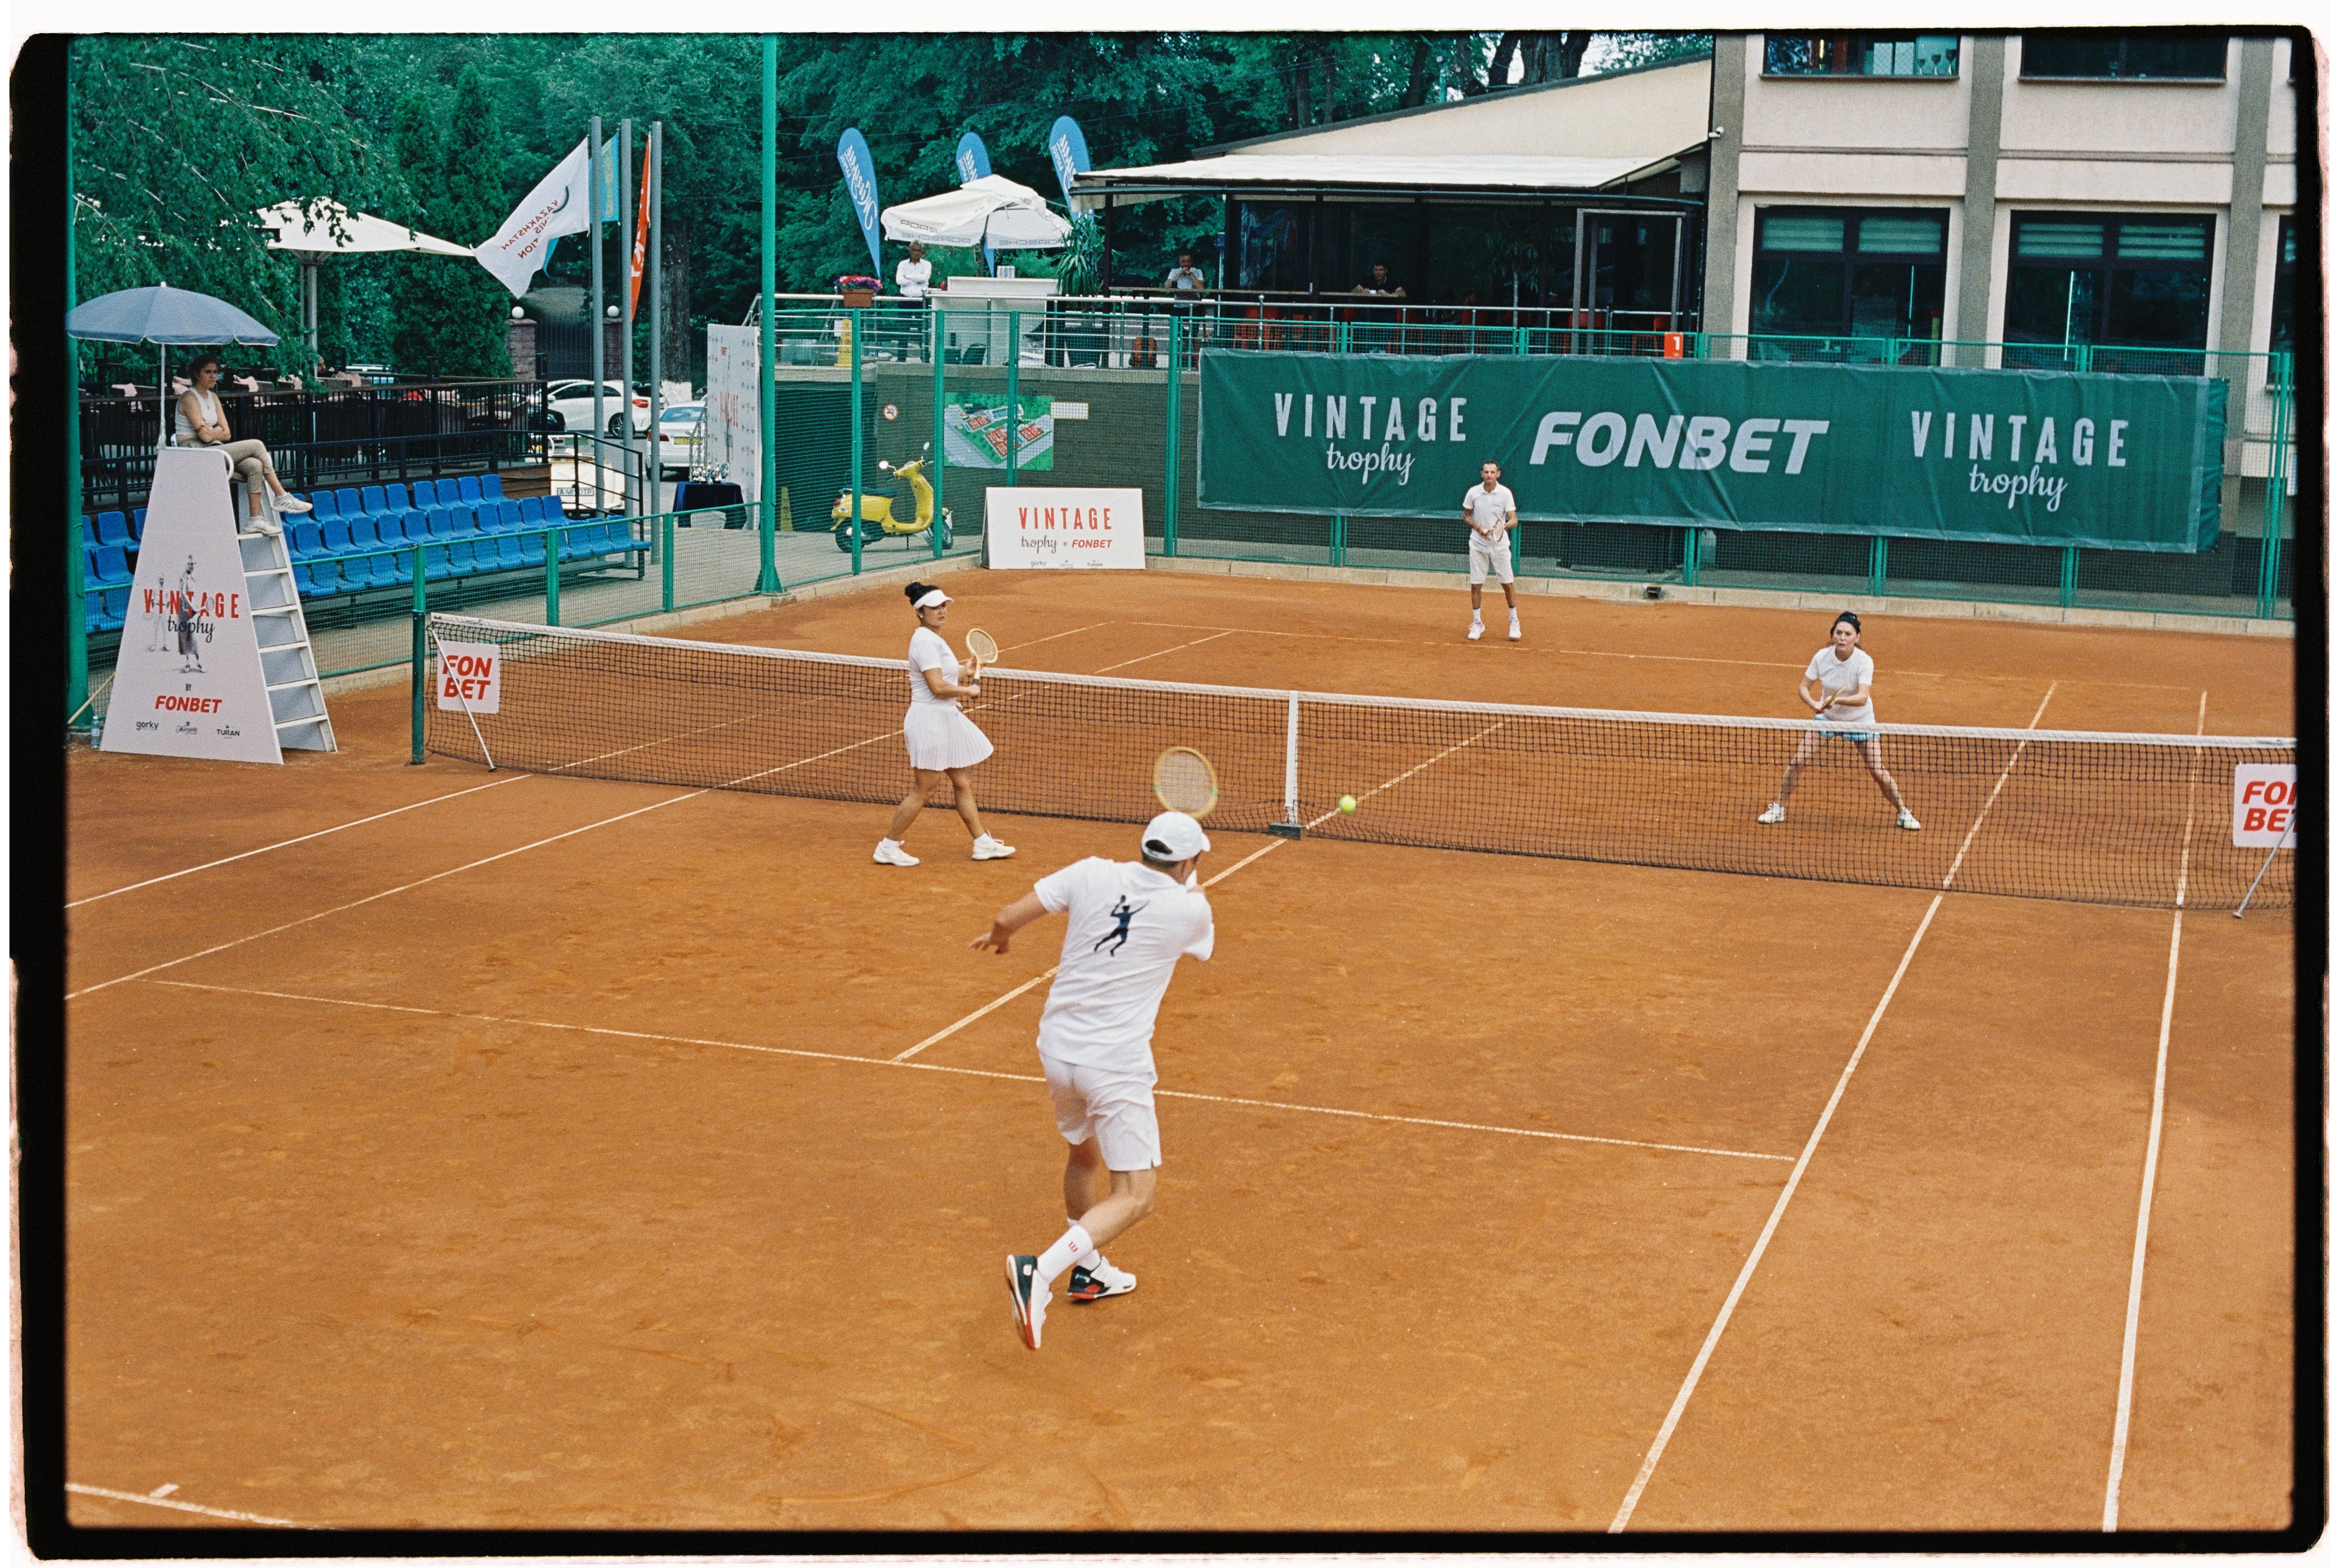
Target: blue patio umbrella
{"points": [[160, 314]]}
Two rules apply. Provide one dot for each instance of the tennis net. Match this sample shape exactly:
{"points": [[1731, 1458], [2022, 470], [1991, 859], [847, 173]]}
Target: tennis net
{"points": [[2124, 819]]}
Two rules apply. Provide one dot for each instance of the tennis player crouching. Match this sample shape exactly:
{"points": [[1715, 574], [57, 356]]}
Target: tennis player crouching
{"points": [[943, 742], [1836, 687], [1127, 927]]}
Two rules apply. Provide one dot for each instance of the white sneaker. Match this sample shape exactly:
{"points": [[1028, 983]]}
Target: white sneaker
{"points": [[266, 527], [1774, 812], [1477, 631], [289, 502], [1029, 1294], [1906, 820], [892, 854], [1515, 629], [1097, 1284], [990, 848]]}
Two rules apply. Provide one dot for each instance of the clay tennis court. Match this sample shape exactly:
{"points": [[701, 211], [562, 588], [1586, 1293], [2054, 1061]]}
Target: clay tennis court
{"points": [[562, 1152]]}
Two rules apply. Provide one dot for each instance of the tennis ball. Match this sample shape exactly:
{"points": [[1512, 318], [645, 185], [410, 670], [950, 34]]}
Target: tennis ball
{"points": [[1348, 803]]}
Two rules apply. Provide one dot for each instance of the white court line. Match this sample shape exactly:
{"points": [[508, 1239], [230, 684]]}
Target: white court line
{"points": [[187, 1507], [1141, 658], [1812, 1145], [935, 1067], [2123, 1406]]}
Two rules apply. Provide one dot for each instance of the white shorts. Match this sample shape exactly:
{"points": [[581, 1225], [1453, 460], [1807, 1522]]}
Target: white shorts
{"points": [[1486, 556], [1116, 1108], [939, 736]]}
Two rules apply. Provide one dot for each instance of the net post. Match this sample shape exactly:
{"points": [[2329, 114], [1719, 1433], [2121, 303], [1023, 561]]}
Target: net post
{"points": [[665, 562], [1170, 445], [1290, 827], [421, 613], [553, 577], [2279, 843], [853, 519]]}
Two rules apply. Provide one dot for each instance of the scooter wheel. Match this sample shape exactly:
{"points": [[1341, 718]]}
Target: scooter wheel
{"points": [[844, 538]]}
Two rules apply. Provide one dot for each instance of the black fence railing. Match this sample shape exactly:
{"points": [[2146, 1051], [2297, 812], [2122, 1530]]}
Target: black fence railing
{"points": [[359, 435]]}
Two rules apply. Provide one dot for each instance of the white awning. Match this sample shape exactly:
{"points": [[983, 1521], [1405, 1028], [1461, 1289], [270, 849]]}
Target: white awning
{"points": [[994, 211], [1496, 174], [308, 227]]}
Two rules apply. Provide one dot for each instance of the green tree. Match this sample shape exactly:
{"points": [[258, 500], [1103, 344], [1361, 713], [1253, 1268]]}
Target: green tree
{"points": [[474, 304], [416, 305]]}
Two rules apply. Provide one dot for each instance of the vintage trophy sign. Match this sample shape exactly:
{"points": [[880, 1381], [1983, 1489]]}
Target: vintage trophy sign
{"points": [[187, 679], [1055, 528]]}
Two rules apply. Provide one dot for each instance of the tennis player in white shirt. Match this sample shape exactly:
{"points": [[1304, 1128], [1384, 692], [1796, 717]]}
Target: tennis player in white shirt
{"points": [[1127, 925], [1836, 687], [1489, 508]]}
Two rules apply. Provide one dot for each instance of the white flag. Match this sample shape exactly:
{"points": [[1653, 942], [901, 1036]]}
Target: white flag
{"points": [[560, 204]]}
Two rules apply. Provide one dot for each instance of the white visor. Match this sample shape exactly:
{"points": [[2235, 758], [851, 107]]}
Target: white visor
{"points": [[932, 598]]}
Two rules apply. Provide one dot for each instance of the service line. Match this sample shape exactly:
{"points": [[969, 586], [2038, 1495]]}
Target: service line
{"points": [[154, 1502], [1803, 1161]]}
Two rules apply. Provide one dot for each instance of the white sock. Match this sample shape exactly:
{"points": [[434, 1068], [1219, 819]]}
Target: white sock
{"points": [[888, 844], [1091, 1260], [1474, 617], [1061, 1254]]}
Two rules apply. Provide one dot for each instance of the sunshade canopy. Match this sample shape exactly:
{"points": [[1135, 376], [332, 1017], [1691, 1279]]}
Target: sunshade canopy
{"points": [[310, 228], [993, 211], [1326, 174], [162, 314]]}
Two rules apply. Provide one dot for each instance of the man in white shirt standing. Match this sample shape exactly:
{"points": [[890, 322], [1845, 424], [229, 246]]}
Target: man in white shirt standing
{"points": [[1489, 508], [1127, 926], [911, 276]]}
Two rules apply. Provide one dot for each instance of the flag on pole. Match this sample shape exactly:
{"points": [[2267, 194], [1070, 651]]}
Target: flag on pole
{"points": [[1068, 150], [641, 237], [557, 206], [974, 163], [861, 184]]}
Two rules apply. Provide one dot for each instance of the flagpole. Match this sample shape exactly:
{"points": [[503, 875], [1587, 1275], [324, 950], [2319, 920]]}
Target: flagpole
{"points": [[626, 285], [767, 480], [655, 175], [76, 567], [593, 200]]}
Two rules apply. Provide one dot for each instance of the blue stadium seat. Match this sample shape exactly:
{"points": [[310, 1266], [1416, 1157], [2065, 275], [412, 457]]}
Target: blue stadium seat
{"points": [[463, 558], [370, 498], [435, 566], [394, 500], [113, 528], [511, 551], [467, 489], [112, 565], [441, 523], [380, 571], [449, 493], [138, 524], [531, 548], [415, 525], [88, 531], [362, 535], [531, 511], [492, 487], [115, 609], [325, 507], [304, 539], [335, 534], [401, 568], [317, 579], [347, 503], [507, 516]]}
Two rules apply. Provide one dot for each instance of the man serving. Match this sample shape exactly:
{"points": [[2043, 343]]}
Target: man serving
{"points": [[1127, 925]]}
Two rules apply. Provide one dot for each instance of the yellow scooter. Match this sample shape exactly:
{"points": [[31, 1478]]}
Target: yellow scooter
{"points": [[878, 519]]}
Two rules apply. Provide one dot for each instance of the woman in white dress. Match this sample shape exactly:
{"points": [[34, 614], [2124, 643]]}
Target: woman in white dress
{"points": [[943, 742], [1836, 687]]}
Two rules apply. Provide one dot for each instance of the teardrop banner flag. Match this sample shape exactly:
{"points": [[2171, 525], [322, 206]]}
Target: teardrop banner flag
{"points": [[641, 237], [557, 206], [974, 163], [861, 185], [1068, 150]]}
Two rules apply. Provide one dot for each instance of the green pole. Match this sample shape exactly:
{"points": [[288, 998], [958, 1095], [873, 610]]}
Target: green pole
{"points": [[422, 617], [2068, 591], [1015, 406], [935, 467], [77, 610], [553, 577], [666, 563], [2278, 463], [853, 325], [1170, 450], [767, 581], [1689, 557]]}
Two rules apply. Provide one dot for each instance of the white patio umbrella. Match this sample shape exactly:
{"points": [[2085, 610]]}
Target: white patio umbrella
{"points": [[994, 211], [314, 230]]}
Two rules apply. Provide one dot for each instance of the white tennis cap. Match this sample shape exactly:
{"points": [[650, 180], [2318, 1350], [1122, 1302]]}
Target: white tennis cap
{"points": [[929, 600], [1174, 836]]}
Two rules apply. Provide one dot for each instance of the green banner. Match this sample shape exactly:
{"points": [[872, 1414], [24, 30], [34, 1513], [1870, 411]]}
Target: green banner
{"points": [[2016, 457]]}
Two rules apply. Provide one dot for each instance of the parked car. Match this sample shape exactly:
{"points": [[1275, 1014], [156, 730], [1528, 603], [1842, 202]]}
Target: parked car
{"points": [[681, 439], [573, 402]]}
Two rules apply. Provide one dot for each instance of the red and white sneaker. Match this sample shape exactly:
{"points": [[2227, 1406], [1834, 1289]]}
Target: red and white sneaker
{"points": [[1097, 1284], [1030, 1296]]}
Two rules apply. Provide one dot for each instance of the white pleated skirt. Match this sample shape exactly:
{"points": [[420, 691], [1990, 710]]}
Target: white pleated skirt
{"points": [[939, 736]]}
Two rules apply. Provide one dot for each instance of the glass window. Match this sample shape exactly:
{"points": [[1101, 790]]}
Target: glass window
{"points": [[2285, 280], [2182, 54], [1862, 274], [1861, 55], [2115, 281]]}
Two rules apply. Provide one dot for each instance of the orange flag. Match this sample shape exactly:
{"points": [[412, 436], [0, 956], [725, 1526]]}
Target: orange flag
{"points": [[642, 240]]}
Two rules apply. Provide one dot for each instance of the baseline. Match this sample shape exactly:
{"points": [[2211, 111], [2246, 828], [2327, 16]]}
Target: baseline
{"points": [[152, 1502]]}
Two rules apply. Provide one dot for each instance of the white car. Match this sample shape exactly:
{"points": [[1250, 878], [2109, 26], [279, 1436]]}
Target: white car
{"points": [[681, 438], [572, 403]]}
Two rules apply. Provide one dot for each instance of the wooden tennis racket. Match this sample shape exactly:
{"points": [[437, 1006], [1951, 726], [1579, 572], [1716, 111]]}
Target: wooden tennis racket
{"points": [[1184, 779], [982, 649]]}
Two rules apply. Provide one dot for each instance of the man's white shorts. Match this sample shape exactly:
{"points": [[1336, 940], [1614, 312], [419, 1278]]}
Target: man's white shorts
{"points": [[1486, 556], [1116, 1108]]}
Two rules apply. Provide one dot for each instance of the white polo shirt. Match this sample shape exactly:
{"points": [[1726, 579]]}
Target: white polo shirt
{"points": [[1127, 926], [928, 651], [1836, 675], [1488, 508], [911, 278]]}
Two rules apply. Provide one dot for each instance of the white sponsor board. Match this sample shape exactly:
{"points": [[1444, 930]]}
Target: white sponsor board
{"points": [[1050, 527], [470, 677], [2267, 804], [732, 431], [187, 681]]}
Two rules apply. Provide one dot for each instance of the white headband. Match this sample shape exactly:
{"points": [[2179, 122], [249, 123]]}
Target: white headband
{"points": [[932, 598]]}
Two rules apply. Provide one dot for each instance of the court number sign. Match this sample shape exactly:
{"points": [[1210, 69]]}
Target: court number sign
{"points": [[470, 677], [2267, 804]]}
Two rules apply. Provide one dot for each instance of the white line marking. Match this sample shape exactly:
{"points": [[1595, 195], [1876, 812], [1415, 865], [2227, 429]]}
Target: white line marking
{"points": [[1141, 658], [933, 1066], [1416, 768], [158, 1501], [288, 844], [165, 1490], [2125, 1402], [1812, 1145], [992, 1006], [1052, 636]]}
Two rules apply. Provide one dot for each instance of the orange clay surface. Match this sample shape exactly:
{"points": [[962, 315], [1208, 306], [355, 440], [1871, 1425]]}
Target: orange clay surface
{"points": [[444, 1170]]}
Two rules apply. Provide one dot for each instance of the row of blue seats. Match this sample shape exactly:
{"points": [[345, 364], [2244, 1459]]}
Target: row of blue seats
{"points": [[126, 528], [338, 535]]}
